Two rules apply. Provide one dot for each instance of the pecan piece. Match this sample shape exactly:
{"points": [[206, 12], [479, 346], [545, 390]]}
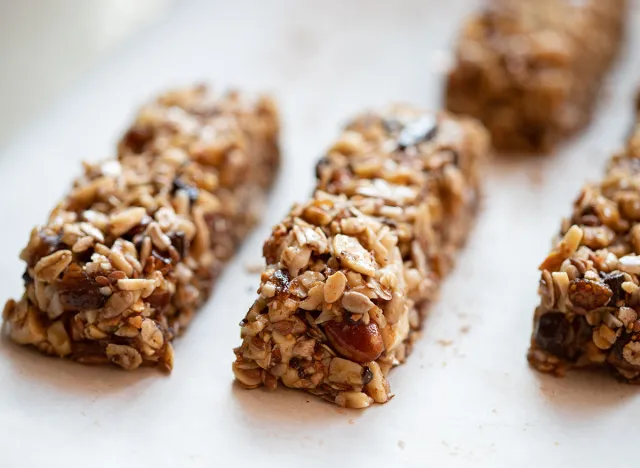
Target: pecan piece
{"points": [[588, 294], [358, 342]]}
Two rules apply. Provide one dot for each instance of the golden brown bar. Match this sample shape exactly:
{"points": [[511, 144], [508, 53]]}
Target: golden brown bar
{"points": [[351, 272], [133, 250], [531, 70], [589, 288]]}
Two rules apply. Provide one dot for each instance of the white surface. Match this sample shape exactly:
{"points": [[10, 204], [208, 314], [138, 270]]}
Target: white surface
{"points": [[45, 45], [474, 402]]}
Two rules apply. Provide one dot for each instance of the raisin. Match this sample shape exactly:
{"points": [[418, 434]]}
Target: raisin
{"points": [[589, 294], [26, 277], [79, 292], [180, 242], [282, 281], [367, 375], [614, 281], [422, 129], [137, 138], [294, 363], [555, 334], [192, 192], [551, 332], [160, 299]]}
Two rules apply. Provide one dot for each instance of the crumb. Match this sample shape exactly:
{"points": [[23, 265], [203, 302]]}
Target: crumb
{"points": [[401, 444], [351, 421], [254, 268], [465, 329], [445, 343], [556, 443], [444, 363], [494, 411]]}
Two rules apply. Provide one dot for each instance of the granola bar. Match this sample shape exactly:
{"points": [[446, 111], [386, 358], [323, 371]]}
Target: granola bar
{"points": [[531, 69], [133, 250], [590, 298], [350, 272]]}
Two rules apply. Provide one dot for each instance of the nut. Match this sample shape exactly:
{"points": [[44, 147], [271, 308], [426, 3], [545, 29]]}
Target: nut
{"points": [[356, 302], [355, 400], [125, 356], [357, 342], [589, 294], [334, 287], [351, 254], [50, 267], [631, 353]]}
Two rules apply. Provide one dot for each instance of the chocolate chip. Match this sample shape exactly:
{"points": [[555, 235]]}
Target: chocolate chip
{"points": [[367, 375], [192, 192], [422, 129]]}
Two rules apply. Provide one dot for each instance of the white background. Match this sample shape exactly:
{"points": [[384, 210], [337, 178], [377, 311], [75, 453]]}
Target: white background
{"points": [[466, 397]]}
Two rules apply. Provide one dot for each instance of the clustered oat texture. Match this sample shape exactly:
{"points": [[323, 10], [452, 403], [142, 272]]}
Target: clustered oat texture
{"points": [[531, 69], [351, 271], [132, 251], [589, 289]]}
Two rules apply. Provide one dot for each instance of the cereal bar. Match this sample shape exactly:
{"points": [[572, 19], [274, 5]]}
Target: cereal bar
{"points": [[133, 250], [589, 294], [531, 69], [351, 272]]}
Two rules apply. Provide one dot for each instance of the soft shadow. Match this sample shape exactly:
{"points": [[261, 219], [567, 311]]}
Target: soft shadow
{"points": [[287, 405], [71, 377], [584, 391]]}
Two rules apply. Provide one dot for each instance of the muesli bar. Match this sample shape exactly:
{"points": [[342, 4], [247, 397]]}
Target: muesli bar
{"points": [[590, 298], [133, 250], [531, 70], [350, 272]]}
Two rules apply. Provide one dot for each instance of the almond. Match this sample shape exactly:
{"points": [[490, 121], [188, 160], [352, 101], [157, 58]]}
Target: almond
{"points": [[357, 342]]}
